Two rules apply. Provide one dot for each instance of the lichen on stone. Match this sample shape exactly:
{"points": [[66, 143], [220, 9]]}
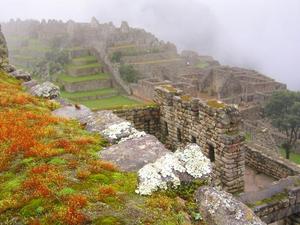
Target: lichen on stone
{"points": [[166, 171]]}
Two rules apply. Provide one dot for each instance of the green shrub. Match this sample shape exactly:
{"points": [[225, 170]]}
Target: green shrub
{"points": [[116, 57], [128, 73]]}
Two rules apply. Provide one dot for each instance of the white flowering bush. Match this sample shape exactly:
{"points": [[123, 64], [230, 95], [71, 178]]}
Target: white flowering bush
{"points": [[166, 170]]}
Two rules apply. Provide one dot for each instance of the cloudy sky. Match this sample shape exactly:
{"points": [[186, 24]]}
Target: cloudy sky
{"points": [[258, 34]]}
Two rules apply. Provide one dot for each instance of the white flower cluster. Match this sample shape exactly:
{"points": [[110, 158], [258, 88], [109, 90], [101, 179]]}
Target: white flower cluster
{"points": [[45, 90], [121, 132], [165, 170], [136, 134]]}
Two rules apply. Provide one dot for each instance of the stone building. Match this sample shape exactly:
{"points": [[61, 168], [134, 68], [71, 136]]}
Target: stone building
{"points": [[213, 126]]}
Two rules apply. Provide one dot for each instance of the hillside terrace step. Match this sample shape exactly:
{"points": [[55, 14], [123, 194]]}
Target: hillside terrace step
{"points": [[84, 60], [156, 61], [88, 85], [82, 70], [63, 78], [79, 52], [90, 95]]}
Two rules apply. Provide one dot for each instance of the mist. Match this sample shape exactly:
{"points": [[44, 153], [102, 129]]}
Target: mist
{"points": [[258, 34]]}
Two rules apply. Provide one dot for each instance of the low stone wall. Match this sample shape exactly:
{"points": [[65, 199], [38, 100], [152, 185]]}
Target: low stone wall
{"points": [[88, 85], [146, 88], [144, 119], [277, 202], [270, 164]]}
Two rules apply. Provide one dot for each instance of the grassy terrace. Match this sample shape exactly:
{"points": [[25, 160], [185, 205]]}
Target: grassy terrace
{"points": [[156, 61], [294, 157], [70, 79], [202, 65], [87, 60], [77, 67], [100, 92], [114, 102], [122, 47]]}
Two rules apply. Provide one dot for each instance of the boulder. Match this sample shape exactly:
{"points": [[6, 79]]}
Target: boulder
{"points": [[124, 154], [221, 208], [30, 84], [72, 112], [45, 90], [21, 75], [185, 165]]}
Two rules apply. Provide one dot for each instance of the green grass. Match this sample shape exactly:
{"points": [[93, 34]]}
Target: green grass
{"points": [[87, 59], [77, 67], [100, 92], [202, 65], [111, 103], [70, 79], [294, 157]]}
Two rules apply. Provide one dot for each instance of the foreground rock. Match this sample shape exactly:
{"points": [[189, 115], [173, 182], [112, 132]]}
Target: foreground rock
{"points": [[131, 149], [184, 165], [21, 75], [134, 153], [221, 208], [45, 90], [72, 112]]}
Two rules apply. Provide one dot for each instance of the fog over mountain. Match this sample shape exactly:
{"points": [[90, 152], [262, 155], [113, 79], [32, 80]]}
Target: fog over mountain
{"points": [[258, 34]]}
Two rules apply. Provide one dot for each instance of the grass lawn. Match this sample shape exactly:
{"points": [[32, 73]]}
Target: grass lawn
{"points": [[111, 103], [76, 67], [294, 157], [86, 59], [100, 92], [70, 79]]}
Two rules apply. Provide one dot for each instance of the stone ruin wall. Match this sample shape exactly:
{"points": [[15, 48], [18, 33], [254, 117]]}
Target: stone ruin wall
{"points": [[269, 163], [280, 201], [144, 118], [145, 88], [185, 120]]}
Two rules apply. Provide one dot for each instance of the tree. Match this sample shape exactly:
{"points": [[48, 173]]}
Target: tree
{"points": [[116, 57], [128, 73], [283, 109]]}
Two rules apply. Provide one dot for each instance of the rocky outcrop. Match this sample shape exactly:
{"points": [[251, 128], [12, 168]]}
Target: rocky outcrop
{"points": [[130, 149], [133, 153], [21, 75], [221, 208], [45, 90], [171, 170], [3, 50]]}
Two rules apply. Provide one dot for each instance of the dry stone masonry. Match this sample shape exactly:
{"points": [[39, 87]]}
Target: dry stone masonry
{"points": [[213, 126]]}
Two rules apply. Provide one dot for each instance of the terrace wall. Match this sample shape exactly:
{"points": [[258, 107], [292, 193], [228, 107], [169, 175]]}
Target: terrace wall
{"points": [[144, 119]]}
